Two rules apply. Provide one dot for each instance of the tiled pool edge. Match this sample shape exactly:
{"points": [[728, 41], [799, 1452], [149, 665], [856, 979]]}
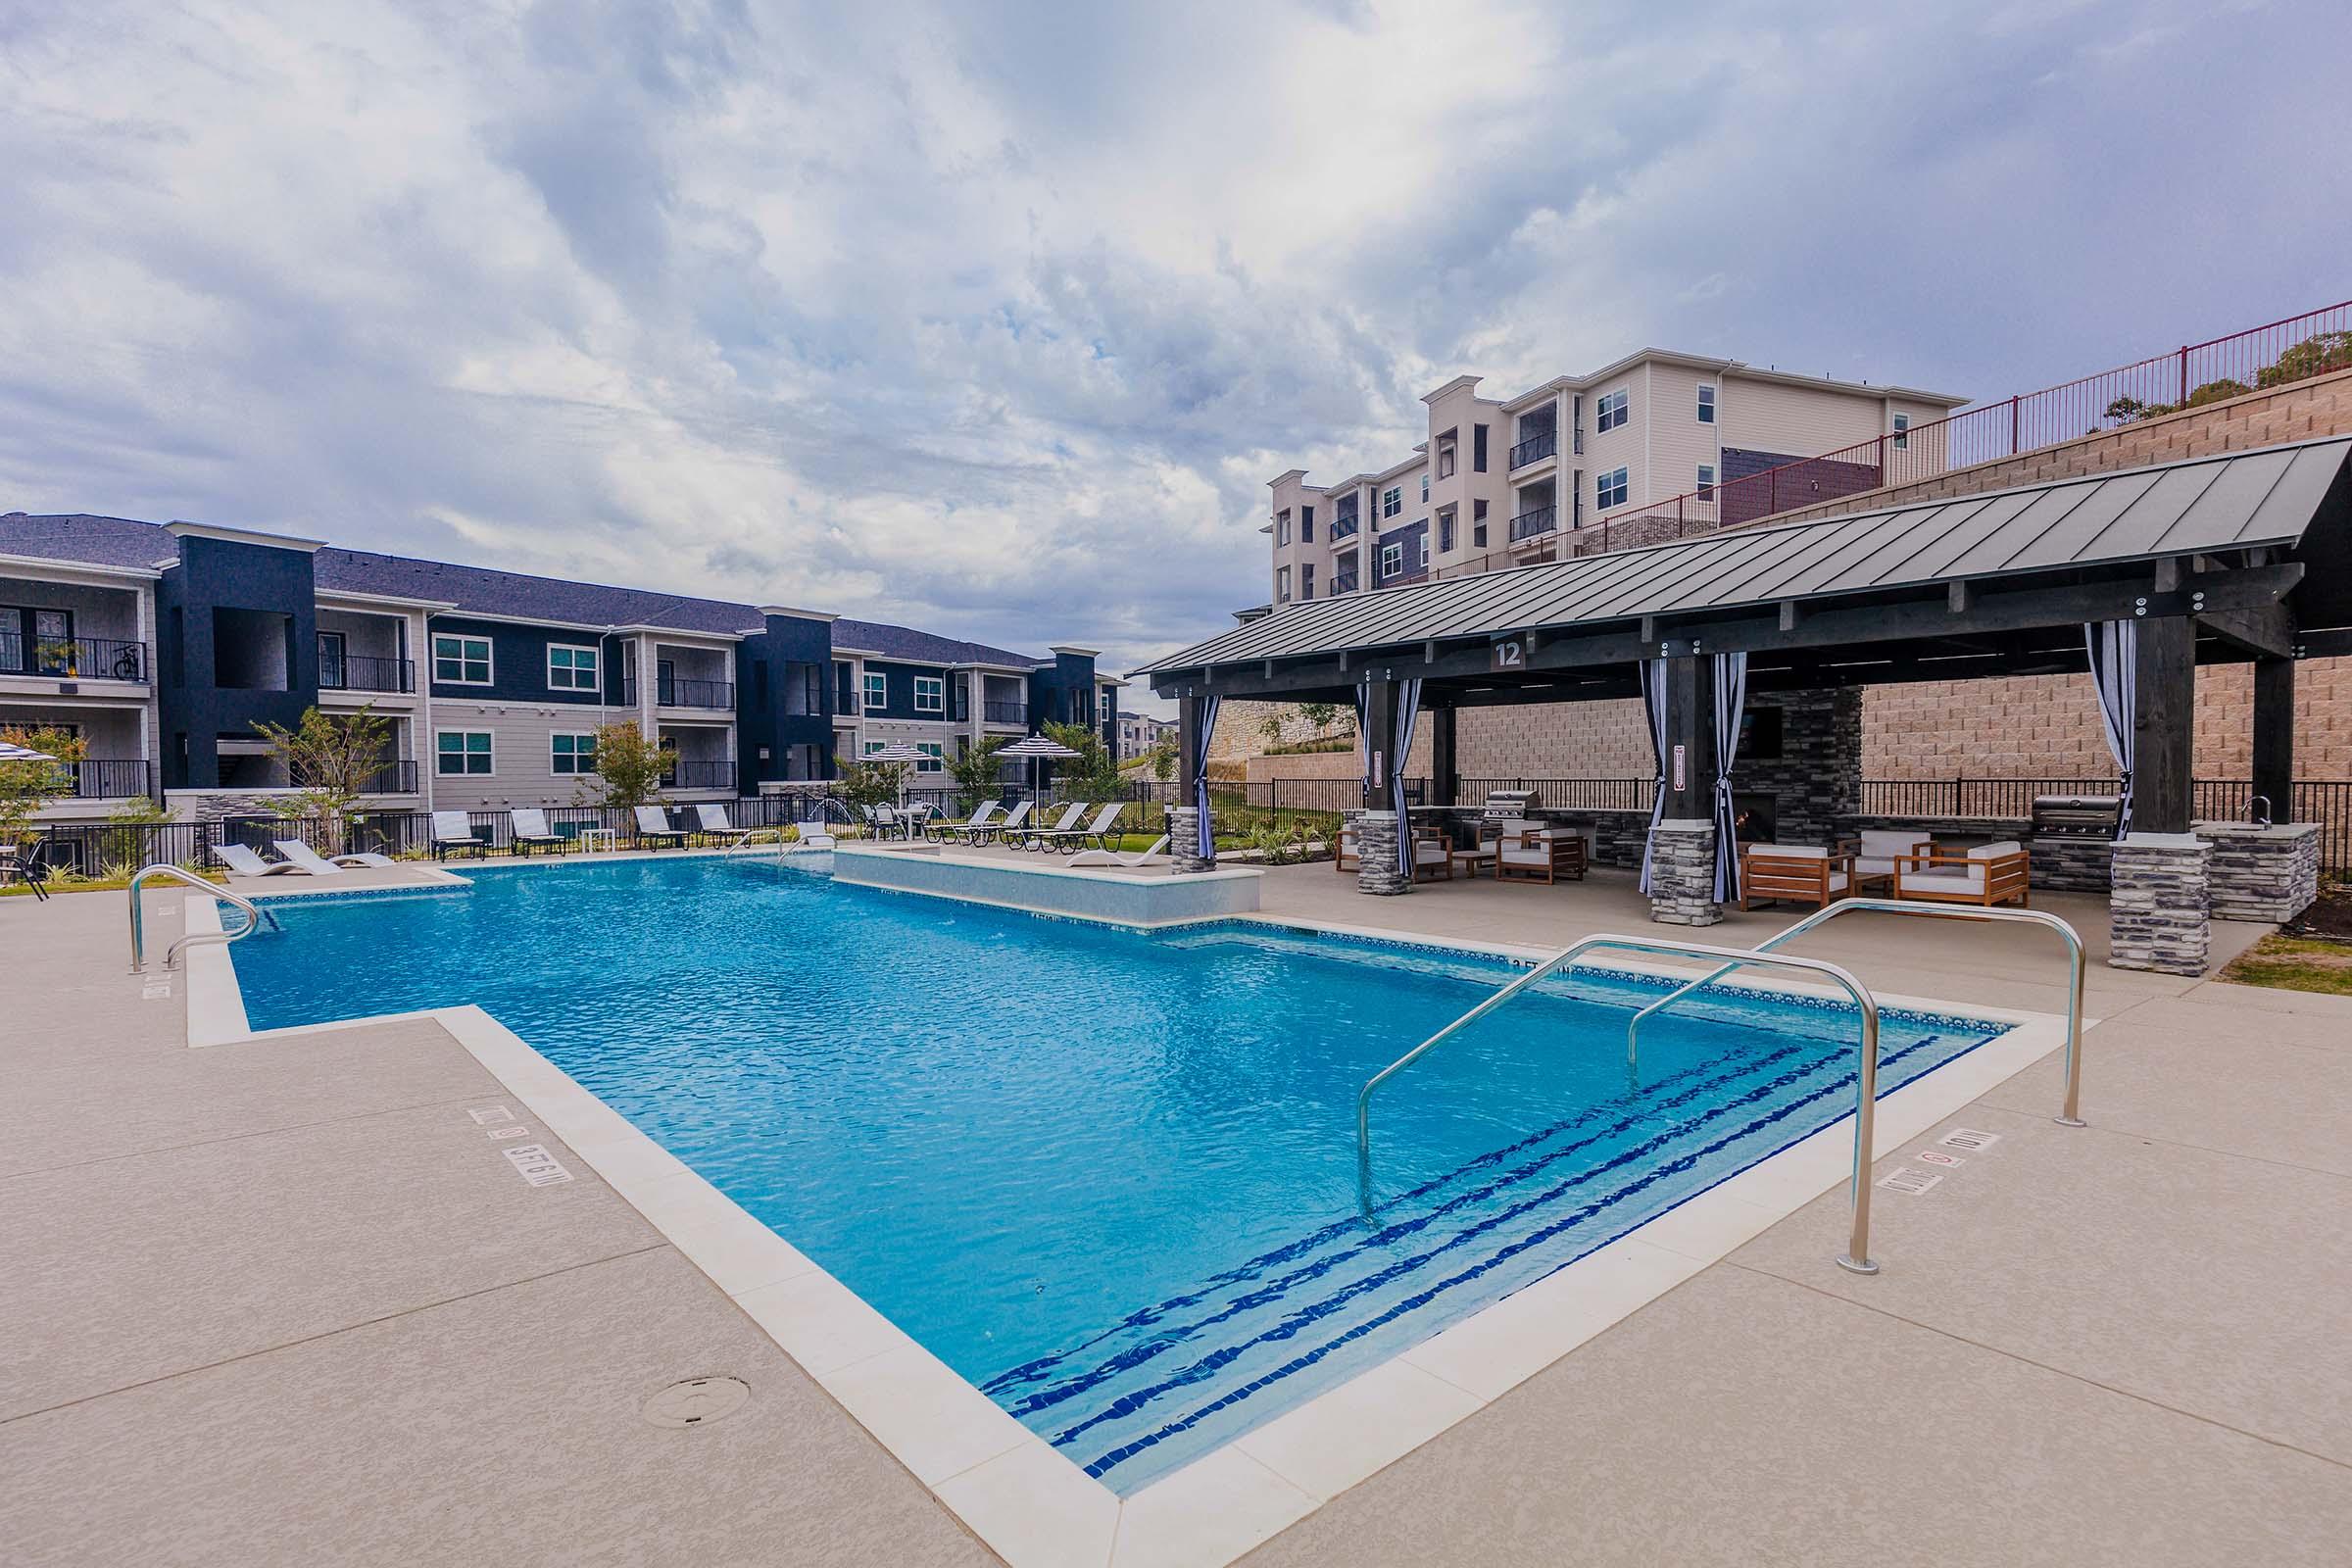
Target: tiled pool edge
{"points": [[1011, 1487]]}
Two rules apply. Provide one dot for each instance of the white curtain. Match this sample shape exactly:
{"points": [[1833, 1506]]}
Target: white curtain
{"points": [[1653, 700], [1731, 698], [1408, 710], [2114, 648], [1208, 729], [1363, 734]]}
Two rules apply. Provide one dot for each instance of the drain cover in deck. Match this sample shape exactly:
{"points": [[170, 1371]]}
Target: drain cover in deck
{"points": [[696, 1402]]}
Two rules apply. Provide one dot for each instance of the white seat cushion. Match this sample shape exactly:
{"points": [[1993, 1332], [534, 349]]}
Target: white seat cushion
{"points": [[1806, 852], [1992, 852], [1517, 855], [1946, 879]]}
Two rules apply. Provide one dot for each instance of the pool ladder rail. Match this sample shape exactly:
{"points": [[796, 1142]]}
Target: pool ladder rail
{"points": [[255, 915], [1857, 1259]]}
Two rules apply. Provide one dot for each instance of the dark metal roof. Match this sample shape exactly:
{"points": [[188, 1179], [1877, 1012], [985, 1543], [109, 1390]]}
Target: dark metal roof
{"points": [[2230, 501]]}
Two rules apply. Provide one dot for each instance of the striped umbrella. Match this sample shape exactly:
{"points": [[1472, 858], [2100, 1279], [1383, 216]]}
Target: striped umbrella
{"points": [[1033, 747], [894, 752], [11, 751]]}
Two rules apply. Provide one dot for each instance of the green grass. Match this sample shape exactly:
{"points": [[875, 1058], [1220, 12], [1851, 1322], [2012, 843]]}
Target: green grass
{"points": [[2294, 963]]}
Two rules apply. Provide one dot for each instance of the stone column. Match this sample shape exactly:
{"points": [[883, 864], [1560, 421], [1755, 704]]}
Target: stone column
{"points": [[2158, 911], [1682, 873], [1184, 838], [1376, 850], [2261, 873]]}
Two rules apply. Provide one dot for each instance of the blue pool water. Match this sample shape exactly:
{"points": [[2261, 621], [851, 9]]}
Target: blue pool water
{"points": [[1109, 1177]]}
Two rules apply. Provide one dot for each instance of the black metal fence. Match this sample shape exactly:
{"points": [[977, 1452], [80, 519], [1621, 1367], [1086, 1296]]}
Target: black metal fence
{"points": [[2325, 801]]}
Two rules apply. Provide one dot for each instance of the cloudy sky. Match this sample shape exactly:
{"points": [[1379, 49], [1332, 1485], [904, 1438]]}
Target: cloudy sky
{"points": [[995, 319]]}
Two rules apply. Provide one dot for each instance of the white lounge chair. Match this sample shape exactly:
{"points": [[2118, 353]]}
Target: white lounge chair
{"points": [[1070, 840], [940, 832], [712, 823], [302, 854], [1037, 837], [454, 831], [1131, 862], [653, 823], [815, 833], [528, 824], [244, 863]]}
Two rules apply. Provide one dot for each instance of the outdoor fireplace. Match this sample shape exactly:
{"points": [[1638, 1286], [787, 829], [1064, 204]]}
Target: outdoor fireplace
{"points": [[1756, 816]]}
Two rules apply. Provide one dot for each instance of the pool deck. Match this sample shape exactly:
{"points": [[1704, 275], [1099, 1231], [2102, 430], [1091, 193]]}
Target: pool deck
{"points": [[280, 1301]]}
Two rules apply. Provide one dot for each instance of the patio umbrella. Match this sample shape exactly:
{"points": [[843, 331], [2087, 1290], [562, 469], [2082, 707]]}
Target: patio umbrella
{"points": [[11, 751], [897, 752], [1035, 747]]}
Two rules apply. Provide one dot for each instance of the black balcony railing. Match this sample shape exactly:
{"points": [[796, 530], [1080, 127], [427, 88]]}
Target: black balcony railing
{"points": [[108, 779], [393, 778], [1541, 444], [1527, 524], [363, 672], [73, 658], [1343, 527], [696, 773], [679, 693], [1343, 585], [1004, 712]]}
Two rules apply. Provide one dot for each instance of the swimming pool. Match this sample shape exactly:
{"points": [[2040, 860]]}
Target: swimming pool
{"points": [[1107, 1176]]}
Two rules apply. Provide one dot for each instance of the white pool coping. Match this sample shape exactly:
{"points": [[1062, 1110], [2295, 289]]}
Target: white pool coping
{"points": [[1037, 1508]]}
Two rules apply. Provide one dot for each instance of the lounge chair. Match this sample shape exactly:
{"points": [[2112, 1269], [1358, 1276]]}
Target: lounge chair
{"points": [[1037, 837], [1529, 852], [942, 831], [528, 825], [244, 863], [1010, 823], [712, 823], [454, 831], [1131, 862], [309, 860], [1990, 874], [653, 823], [1877, 852], [1793, 873], [814, 833], [1098, 831]]}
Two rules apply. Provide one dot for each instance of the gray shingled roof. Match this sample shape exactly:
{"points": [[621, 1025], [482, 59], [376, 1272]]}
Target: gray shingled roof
{"points": [[480, 590], [2230, 501]]}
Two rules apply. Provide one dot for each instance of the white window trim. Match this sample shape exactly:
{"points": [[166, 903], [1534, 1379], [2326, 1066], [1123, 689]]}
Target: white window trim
{"points": [[1706, 404], [866, 694], [1613, 479], [1623, 397], [1902, 432], [461, 638], [939, 688], [490, 734], [595, 654], [1386, 570], [576, 736]]}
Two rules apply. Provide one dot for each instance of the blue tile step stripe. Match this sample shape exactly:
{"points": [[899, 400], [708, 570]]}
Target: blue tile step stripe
{"points": [[1175, 1379]]}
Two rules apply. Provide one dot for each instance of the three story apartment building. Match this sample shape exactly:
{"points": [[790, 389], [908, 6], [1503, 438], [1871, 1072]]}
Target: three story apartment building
{"points": [[1531, 478], [162, 646]]}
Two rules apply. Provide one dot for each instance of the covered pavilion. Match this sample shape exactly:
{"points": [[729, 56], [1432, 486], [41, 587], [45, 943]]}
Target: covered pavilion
{"points": [[2140, 575]]}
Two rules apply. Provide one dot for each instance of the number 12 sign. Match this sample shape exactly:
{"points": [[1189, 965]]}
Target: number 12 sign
{"points": [[1508, 653]]}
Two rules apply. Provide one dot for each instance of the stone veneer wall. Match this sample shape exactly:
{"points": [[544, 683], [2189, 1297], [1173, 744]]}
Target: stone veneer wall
{"points": [[1377, 872], [1817, 779], [2261, 873], [2157, 916], [1682, 874]]}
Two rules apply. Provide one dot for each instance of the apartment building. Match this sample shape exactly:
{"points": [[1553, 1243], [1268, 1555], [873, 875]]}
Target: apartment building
{"points": [[1527, 479], [162, 646], [1138, 734]]}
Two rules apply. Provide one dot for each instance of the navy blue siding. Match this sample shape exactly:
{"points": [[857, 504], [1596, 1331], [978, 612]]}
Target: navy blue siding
{"points": [[519, 662], [216, 574]]}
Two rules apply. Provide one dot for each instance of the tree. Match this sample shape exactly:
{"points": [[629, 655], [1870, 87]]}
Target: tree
{"points": [[2314, 355], [630, 764], [1091, 775], [864, 784], [329, 762], [1163, 759], [26, 787], [975, 770], [1325, 714]]}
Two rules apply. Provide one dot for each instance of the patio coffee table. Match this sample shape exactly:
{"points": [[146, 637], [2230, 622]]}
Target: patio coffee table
{"points": [[1471, 861], [592, 836]]}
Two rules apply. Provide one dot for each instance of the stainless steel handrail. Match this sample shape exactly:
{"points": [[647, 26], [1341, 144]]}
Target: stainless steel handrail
{"points": [[1857, 1255], [255, 915], [2068, 1115]]}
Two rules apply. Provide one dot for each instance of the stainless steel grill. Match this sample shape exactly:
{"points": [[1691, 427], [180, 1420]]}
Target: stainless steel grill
{"points": [[2075, 816], [1510, 806]]}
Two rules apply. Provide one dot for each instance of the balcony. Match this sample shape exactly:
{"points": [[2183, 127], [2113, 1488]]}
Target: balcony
{"points": [[676, 693], [1342, 527], [108, 779], [1005, 714], [393, 778], [1343, 585], [73, 658], [699, 773], [1531, 525], [361, 672], [1535, 447]]}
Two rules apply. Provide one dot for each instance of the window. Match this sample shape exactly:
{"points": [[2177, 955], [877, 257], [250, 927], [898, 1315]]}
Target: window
{"points": [[1902, 432], [572, 754], [332, 672], [877, 691], [1282, 585], [933, 756], [1610, 411], [1424, 486], [461, 661], [570, 669], [1477, 449], [1282, 528], [1306, 525], [1391, 501], [1706, 481], [1446, 530], [1478, 524], [1306, 579], [461, 753], [1391, 560], [1608, 490], [1707, 405], [1445, 463], [930, 694]]}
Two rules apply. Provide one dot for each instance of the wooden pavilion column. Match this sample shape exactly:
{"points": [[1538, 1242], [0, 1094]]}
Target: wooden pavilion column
{"points": [[1445, 762], [2274, 735], [2158, 915], [1681, 869], [1184, 817]]}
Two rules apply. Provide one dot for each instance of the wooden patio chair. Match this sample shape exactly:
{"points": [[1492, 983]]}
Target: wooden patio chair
{"points": [[1989, 874], [1793, 873], [1531, 852]]}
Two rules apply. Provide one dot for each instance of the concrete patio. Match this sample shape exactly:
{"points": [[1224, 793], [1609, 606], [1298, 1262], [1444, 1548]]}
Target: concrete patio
{"points": [[282, 1302]]}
